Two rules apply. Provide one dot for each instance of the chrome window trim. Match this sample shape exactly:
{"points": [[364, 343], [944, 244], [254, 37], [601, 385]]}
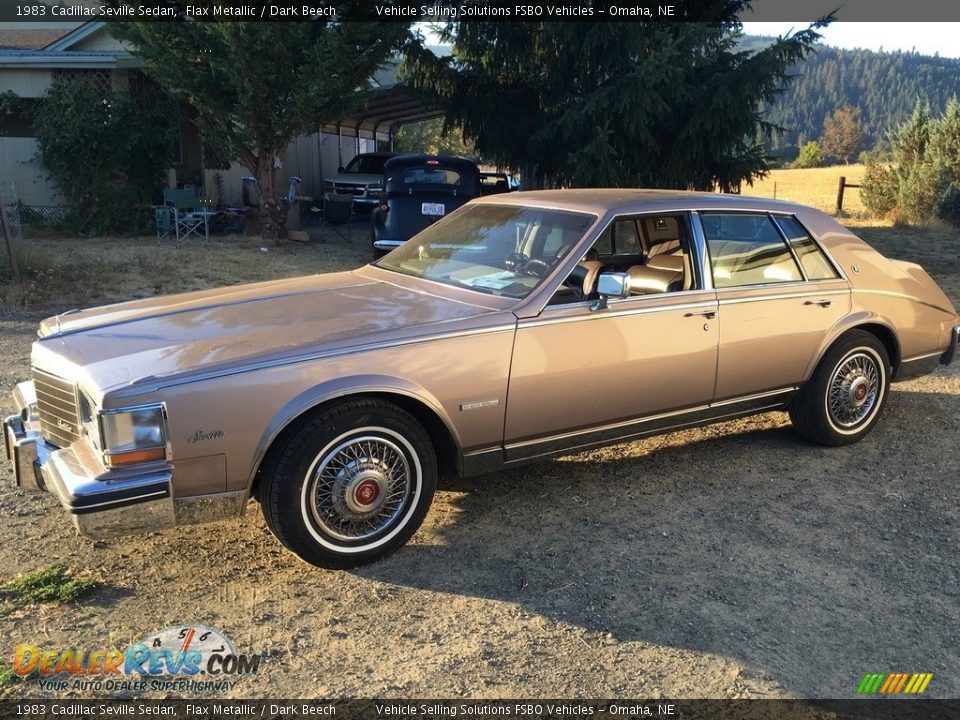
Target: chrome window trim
{"points": [[612, 312], [702, 254], [786, 241]]}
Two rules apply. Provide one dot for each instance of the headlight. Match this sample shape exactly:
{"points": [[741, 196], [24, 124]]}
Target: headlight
{"points": [[133, 435]]}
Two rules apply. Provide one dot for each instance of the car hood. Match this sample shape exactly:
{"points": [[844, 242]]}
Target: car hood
{"points": [[239, 326]]}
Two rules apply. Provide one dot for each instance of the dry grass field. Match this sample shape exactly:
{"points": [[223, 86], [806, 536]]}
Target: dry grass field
{"points": [[816, 187], [61, 273]]}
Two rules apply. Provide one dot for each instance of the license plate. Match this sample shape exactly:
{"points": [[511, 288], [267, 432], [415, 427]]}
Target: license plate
{"points": [[435, 209]]}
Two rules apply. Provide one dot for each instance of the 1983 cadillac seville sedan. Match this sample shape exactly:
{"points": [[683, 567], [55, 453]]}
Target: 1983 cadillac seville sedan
{"points": [[519, 327]]}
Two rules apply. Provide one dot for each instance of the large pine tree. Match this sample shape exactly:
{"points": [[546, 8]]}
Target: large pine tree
{"points": [[626, 104]]}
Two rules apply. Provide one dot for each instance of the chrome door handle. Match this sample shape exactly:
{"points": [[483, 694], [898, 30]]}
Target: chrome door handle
{"points": [[821, 303], [709, 314]]}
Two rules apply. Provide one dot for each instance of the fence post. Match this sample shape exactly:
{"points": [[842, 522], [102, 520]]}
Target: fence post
{"points": [[840, 187], [14, 270]]}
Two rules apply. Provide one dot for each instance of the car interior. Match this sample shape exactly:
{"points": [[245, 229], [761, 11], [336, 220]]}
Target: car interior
{"points": [[652, 250]]}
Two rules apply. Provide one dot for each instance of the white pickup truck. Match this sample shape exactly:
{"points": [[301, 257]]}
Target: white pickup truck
{"points": [[362, 178]]}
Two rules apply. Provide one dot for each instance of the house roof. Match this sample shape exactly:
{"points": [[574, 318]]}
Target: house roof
{"points": [[68, 40], [72, 59], [56, 53], [29, 39]]}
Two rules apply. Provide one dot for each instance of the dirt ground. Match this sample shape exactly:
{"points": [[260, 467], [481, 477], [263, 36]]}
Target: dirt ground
{"points": [[731, 561]]}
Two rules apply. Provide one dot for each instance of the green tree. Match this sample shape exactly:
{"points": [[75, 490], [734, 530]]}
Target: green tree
{"points": [[809, 156], [255, 86], [843, 135], [432, 138], [628, 104]]}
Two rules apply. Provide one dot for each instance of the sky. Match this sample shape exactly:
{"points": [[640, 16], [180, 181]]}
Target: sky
{"points": [[925, 38]]}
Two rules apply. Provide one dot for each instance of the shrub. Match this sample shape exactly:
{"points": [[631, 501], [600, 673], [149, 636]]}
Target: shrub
{"points": [[809, 156], [106, 153], [878, 189]]}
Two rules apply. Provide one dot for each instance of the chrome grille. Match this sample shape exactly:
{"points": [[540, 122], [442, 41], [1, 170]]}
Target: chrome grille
{"points": [[342, 189], [57, 407]]}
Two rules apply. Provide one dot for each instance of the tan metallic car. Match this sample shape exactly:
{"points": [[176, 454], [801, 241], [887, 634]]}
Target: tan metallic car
{"points": [[519, 327]]}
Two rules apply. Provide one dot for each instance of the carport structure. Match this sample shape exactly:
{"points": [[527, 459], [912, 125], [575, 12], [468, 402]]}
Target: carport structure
{"points": [[387, 111]]}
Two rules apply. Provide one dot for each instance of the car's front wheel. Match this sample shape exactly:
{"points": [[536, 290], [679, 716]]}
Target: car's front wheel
{"points": [[842, 401], [351, 484]]}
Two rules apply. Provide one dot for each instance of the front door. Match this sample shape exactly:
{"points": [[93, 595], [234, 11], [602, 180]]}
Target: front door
{"points": [[582, 376]]}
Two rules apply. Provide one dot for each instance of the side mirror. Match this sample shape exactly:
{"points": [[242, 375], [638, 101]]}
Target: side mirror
{"points": [[613, 284], [340, 168]]}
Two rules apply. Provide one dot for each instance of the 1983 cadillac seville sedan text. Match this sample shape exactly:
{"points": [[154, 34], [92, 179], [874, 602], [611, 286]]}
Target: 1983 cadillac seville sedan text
{"points": [[519, 327]]}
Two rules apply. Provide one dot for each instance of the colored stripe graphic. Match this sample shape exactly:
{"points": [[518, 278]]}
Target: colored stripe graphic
{"points": [[894, 683]]}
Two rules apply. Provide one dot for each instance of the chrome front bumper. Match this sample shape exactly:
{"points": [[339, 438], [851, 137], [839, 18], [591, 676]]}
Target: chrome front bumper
{"points": [[103, 503]]}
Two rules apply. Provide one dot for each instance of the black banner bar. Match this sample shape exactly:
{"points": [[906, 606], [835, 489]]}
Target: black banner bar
{"points": [[31, 11], [93, 709]]}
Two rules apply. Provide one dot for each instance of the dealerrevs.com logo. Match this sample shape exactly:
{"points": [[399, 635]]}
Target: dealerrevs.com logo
{"points": [[189, 658]]}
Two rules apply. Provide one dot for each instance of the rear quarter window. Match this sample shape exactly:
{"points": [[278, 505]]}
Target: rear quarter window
{"points": [[814, 262]]}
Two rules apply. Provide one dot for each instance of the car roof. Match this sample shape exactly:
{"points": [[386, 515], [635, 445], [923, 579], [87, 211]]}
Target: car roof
{"points": [[603, 200]]}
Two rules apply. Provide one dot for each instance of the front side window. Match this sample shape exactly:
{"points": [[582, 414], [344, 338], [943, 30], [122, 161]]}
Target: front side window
{"points": [[747, 249], [494, 249], [814, 262]]}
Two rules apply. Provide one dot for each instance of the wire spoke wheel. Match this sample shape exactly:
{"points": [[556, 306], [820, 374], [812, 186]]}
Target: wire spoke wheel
{"points": [[845, 395], [360, 487], [351, 483], [854, 389]]}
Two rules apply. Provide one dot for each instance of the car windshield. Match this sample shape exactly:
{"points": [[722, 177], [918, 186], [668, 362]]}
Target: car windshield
{"points": [[367, 164], [495, 249]]}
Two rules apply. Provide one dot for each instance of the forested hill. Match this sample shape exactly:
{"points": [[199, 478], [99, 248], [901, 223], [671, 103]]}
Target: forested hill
{"points": [[884, 85]]}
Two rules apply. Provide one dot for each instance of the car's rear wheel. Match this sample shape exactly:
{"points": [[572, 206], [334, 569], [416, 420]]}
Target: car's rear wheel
{"points": [[842, 401], [351, 484]]}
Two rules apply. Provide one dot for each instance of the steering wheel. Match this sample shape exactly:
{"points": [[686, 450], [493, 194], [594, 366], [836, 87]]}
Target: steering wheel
{"points": [[516, 262], [537, 268]]}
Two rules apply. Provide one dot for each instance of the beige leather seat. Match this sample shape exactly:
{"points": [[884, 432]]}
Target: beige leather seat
{"points": [[674, 263], [646, 280]]}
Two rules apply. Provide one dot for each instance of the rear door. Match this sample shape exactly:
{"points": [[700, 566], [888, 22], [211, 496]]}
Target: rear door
{"points": [[778, 296]]}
